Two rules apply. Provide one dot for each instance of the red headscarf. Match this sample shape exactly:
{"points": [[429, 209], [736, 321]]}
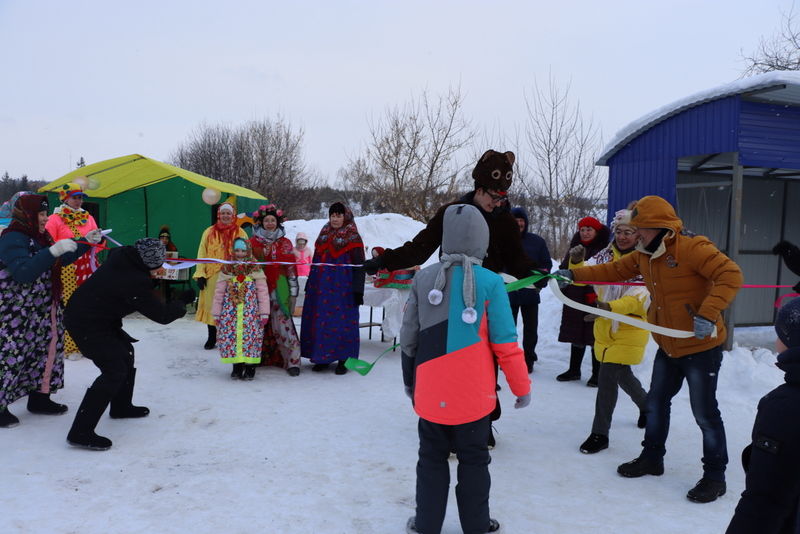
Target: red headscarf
{"points": [[337, 241]]}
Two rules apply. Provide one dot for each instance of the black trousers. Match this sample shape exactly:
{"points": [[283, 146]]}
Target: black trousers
{"points": [[530, 330], [111, 353], [433, 475]]}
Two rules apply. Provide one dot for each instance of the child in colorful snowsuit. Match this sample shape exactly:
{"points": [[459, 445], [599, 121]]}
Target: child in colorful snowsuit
{"points": [[240, 309], [457, 322]]}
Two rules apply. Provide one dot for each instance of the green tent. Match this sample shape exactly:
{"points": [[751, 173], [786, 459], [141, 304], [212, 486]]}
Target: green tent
{"points": [[134, 196]]}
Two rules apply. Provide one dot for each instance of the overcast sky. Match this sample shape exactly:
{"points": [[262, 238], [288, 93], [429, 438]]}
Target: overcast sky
{"points": [[101, 79]]}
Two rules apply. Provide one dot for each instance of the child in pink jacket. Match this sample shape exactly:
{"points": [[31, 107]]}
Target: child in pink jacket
{"points": [[240, 309]]}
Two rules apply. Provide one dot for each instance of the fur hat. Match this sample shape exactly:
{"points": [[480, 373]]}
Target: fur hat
{"points": [[70, 190], [494, 170], [152, 251], [787, 323]]}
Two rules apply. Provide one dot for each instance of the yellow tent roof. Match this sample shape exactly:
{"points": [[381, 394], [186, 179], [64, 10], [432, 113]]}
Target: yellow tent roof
{"points": [[121, 174]]}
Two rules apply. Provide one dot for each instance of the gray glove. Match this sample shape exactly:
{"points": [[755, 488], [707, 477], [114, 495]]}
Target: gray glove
{"points": [[577, 253], [94, 237], [522, 401], [409, 393], [702, 327], [62, 246], [564, 273]]}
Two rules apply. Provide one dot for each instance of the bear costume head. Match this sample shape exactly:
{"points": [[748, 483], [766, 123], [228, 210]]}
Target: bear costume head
{"points": [[494, 170]]}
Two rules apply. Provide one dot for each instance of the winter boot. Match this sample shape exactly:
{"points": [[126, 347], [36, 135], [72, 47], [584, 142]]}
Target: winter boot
{"points": [[641, 466], [249, 371], [8, 419], [211, 342], [340, 368], [411, 526], [40, 403], [82, 432], [575, 360], [706, 490], [121, 407], [319, 367], [642, 421], [592, 382], [594, 443], [237, 373], [293, 371]]}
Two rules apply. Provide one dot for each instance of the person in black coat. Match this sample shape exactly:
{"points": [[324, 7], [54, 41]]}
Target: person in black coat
{"points": [[592, 237], [527, 299], [119, 287], [791, 257], [771, 498]]}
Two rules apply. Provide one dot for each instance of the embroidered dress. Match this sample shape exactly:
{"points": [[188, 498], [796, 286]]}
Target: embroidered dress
{"points": [[281, 344], [215, 242], [239, 333], [70, 223], [330, 315]]}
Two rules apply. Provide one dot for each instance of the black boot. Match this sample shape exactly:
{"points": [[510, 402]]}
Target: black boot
{"points": [[340, 368], [594, 443], [238, 371], [575, 360], [249, 371], [121, 407], [211, 342], [82, 432], [8, 419], [640, 467], [592, 382], [40, 403], [706, 490]]}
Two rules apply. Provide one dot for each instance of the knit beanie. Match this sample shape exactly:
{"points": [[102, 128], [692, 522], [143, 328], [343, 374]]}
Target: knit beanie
{"points": [[590, 222], [152, 251], [787, 323]]}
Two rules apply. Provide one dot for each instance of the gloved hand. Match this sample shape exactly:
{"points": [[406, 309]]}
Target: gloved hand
{"points": [[603, 305], [373, 265], [62, 246], [522, 401], [187, 297], [94, 237], [358, 298], [264, 319], [577, 254], [702, 327], [590, 318], [409, 392], [564, 273], [201, 283]]}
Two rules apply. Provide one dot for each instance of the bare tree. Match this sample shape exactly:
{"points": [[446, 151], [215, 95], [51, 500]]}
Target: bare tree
{"points": [[410, 165], [779, 52], [559, 182], [265, 156]]}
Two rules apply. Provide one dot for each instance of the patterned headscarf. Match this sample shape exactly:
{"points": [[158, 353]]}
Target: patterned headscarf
{"points": [[337, 241]]}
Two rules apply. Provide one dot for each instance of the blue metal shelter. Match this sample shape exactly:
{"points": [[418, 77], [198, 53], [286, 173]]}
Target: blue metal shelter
{"points": [[728, 159]]}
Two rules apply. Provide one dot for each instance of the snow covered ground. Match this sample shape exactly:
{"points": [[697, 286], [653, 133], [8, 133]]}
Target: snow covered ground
{"points": [[336, 454]]}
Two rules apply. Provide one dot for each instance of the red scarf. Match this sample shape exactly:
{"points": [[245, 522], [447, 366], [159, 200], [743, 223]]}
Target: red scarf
{"points": [[337, 241]]}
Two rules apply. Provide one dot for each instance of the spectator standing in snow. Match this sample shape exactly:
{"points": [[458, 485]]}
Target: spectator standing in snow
{"points": [[71, 221], [31, 328], [119, 287], [770, 503], [281, 345], [240, 310], [216, 242], [303, 254], [334, 293], [592, 237], [456, 323], [617, 345], [492, 177], [527, 300], [690, 283]]}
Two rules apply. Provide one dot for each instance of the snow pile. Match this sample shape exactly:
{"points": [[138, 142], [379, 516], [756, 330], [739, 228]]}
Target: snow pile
{"points": [[336, 454]]}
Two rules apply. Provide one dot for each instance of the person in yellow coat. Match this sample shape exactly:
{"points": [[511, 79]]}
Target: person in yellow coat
{"points": [[617, 346], [216, 242]]}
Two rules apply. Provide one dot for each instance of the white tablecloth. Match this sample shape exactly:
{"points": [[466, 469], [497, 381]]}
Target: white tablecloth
{"points": [[392, 301]]}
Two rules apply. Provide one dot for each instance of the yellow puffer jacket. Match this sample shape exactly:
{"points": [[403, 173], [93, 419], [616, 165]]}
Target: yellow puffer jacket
{"points": [[616, 342]]}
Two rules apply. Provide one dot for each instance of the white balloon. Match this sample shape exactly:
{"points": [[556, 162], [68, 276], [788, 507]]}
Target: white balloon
{"points": [[211, 196]]}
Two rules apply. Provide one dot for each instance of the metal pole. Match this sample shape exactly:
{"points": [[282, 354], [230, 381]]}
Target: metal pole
{"points": [[734, 235]]}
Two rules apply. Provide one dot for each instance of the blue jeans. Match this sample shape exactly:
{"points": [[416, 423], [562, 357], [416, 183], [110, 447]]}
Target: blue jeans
{"points": [[701, 371]]}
